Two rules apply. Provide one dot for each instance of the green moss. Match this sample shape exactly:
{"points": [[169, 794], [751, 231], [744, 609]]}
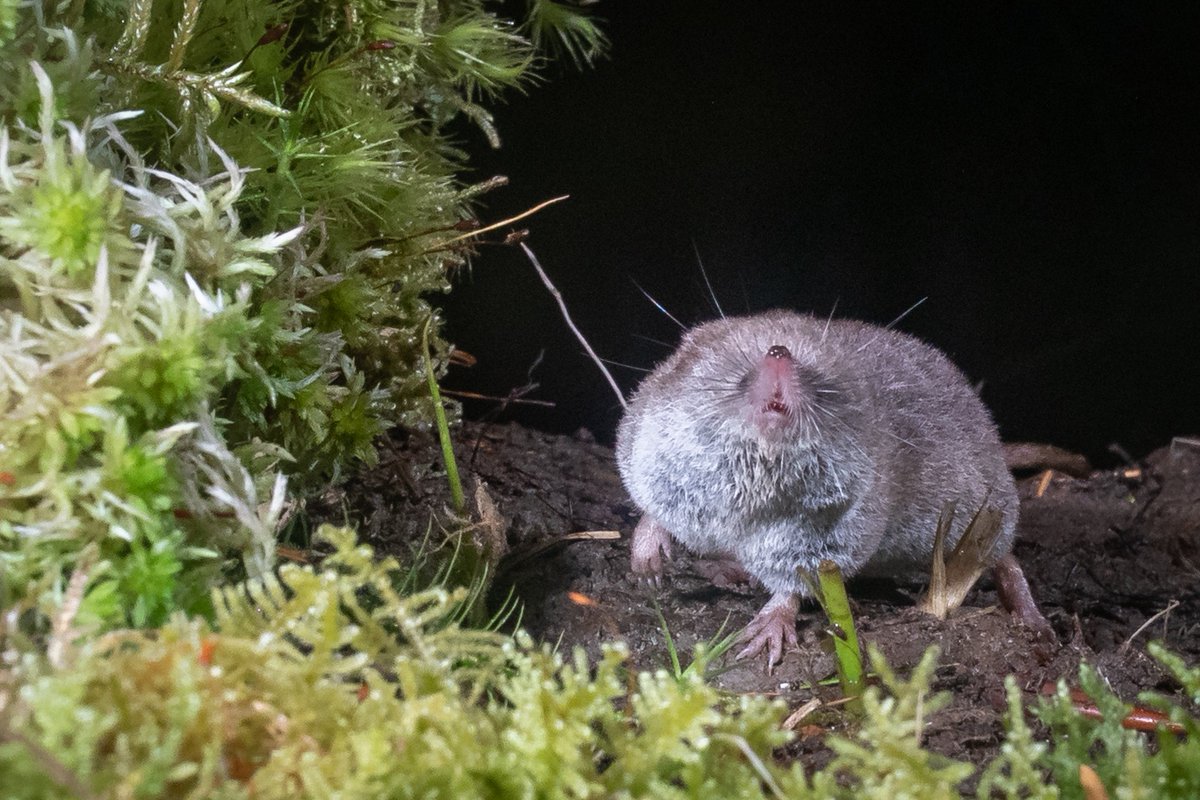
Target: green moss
{"points": [[1121, 758], [304, 690], [328, 681], [8, 20], [219, 221], [162, 381], [69, 219]]}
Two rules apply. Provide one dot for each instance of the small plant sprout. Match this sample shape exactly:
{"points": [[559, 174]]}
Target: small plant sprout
{"points": [[704, 654], [830, 591]]}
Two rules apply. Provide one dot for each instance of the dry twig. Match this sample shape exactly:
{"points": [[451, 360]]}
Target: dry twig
{"points": [[566, 316]]}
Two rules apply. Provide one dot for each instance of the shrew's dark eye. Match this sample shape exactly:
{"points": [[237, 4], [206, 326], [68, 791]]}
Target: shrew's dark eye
{"points": [[744, 384]]}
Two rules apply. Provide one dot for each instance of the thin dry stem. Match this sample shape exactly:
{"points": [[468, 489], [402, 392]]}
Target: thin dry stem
{"points": [[562, 306], [497, 399], [1124, 648], [503, 222], [63, 632]]}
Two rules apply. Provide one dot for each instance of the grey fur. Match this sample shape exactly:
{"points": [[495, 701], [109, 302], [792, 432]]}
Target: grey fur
{"points": [[889, 433]]}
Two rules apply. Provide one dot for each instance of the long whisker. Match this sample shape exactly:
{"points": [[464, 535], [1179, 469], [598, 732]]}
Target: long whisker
{"points": [[651, 339], [659, 305], [830, 318], [889, 326], [707, 282], [626, 366], [907, 311]]}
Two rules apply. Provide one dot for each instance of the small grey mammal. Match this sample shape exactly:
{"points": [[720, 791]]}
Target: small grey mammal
{"points": [[782, 439]]}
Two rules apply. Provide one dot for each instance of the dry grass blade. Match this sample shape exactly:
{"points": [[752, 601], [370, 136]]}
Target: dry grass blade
{"points": [[503, 222], [934, 601], [951, 578], [797, 716], [63, 632], [521, 555]]}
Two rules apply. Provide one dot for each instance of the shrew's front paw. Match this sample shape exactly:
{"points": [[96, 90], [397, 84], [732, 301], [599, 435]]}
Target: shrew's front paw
{"points": [[650, 548], [773, 629]]}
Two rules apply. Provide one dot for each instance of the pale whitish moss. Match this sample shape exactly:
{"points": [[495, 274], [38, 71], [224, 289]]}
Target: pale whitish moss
{"points": [[178, 182], [107, 361], [67, 215]]}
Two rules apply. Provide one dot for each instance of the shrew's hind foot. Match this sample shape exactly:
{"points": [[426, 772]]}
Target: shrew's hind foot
{"points": [[1018, 600]]}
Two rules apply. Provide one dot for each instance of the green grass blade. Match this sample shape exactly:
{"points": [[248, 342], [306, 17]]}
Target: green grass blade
{"points": [[443, 427]]}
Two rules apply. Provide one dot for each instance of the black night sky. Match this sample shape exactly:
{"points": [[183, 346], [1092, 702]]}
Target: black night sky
{"points": [[1032, 169]]}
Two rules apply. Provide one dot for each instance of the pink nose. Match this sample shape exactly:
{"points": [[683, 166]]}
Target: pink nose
{"points": [[778, 351]]}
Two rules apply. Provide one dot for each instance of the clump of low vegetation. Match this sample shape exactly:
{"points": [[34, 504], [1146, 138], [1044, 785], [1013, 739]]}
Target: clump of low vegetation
{"points": [[219, 223], [328, 679]]}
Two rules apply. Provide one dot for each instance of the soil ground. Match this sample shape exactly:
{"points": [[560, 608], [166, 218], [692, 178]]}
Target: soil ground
{"points": [[1103, 554]]}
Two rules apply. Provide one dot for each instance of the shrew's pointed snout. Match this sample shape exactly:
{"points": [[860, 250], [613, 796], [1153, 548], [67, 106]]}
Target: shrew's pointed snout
{"points": [[773, 392]]}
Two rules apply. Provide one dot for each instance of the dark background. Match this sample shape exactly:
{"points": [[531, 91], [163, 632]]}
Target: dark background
{"points": [[1031, 169]]}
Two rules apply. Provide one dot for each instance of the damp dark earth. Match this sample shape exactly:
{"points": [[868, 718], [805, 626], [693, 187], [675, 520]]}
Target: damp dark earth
{"points": [[1112, 556]]}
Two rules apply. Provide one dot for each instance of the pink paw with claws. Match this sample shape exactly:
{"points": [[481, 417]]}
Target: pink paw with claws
{"points": [[773, 630], [651, 546]]}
